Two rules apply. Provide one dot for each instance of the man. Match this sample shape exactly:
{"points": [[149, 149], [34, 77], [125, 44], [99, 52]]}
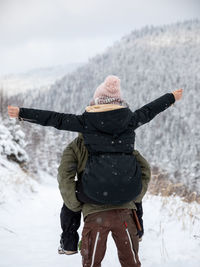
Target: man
{"points": [[99, 219]]}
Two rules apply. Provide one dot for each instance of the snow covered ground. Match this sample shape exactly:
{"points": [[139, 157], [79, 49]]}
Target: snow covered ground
{"points": [[29, 230]]}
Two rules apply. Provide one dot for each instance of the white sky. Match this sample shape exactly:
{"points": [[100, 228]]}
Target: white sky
{"points": [[42, 33]]}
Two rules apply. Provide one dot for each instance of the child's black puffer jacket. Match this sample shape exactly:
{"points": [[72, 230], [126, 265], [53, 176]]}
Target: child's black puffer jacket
{"points": [[112, 175]]}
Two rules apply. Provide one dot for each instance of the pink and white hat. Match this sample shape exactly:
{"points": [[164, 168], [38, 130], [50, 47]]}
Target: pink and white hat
{"points": [[108, 92], [110, 88]]}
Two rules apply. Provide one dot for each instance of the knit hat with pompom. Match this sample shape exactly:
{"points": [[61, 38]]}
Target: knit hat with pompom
{"points": [[109, 88], [109, 92]]}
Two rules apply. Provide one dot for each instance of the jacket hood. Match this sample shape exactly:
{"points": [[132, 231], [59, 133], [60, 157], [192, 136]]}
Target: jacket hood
{"points": [[108, 118]]}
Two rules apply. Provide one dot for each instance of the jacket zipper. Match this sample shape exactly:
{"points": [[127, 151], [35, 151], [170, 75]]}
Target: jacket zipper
{"points": [[24, 119]]}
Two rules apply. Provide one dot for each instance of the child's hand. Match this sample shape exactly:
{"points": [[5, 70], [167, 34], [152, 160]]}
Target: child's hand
{"points": [[13, 112], [178, 94]]}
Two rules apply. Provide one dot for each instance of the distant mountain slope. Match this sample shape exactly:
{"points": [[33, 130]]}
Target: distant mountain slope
{"points": [[149, 62], [41, 78]]}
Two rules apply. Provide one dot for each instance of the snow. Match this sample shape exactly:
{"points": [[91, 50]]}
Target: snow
{"points": [[12, 141], [15, 184], [30, 230], [170, 229], [30, 205]]}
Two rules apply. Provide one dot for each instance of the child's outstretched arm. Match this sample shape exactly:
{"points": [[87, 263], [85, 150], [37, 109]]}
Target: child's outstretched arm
{"points": [[149, 111], [61, 121]]}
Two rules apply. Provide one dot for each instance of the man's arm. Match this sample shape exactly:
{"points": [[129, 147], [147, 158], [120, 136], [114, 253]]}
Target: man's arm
{"points": [[66, 178], [146, 174]]}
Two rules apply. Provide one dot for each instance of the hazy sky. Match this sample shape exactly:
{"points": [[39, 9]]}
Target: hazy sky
{"points": [[42, 33]]}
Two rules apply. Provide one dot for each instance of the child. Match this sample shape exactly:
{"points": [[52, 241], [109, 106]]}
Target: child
{"points": [[112, 175]]}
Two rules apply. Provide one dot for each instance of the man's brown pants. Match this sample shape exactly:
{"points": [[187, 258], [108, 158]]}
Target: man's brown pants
{"points": [[124, 232]]}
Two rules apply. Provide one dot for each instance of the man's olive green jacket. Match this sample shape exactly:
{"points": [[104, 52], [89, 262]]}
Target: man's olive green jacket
{"points": [[73, 163]]}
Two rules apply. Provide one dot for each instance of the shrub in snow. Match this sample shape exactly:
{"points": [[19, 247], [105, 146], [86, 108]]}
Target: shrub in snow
{"points": [[12, 143]]}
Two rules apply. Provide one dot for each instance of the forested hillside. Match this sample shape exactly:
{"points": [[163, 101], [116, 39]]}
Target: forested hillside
{"points": [[149, 62]]}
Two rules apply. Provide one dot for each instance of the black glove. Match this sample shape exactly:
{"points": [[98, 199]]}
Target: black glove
{"points": [[139, 212]]}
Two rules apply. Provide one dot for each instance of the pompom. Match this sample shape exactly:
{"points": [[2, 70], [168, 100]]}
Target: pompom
{"points": [[110, 88], [112, 83]]}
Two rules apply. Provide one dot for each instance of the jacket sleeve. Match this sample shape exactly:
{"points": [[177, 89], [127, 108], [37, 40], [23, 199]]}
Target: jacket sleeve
{"points": [[149, 111], [66, 178], [61, 121], [146, 174]]}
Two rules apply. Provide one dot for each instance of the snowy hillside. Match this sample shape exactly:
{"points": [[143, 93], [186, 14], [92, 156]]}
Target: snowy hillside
{"points": [[149, 62], [14, 163], [15, 184], [30, 230], [41, 79], [30, 227]]}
